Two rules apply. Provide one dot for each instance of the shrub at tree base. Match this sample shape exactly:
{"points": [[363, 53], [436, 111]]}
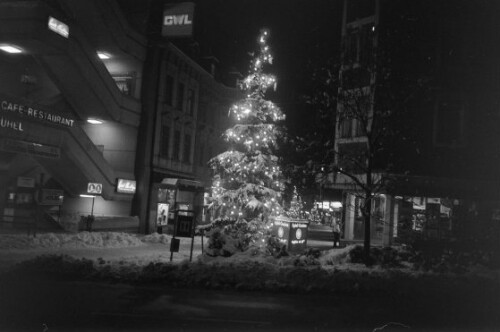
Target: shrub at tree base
{"points": [[428, 257], [227, 237]]}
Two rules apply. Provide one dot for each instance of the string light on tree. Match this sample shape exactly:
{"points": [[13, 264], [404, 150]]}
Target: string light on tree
{"points": [[246, 177]]}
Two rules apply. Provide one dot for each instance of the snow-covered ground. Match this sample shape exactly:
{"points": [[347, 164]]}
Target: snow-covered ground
{"points": [[111, 247], [139, 258]]}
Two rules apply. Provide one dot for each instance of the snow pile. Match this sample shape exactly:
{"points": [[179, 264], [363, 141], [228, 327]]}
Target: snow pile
{"points": [[250, 275], [68, 240], [336, 256], [155, 238]]}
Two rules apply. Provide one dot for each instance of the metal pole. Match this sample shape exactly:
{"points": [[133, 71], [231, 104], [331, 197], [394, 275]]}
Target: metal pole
{"points": [[175, 231], [92, 211], [202, 235], [192, 238]]}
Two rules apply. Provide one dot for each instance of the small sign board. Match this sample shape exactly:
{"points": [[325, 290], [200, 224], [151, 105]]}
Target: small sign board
{"points": [[51, 197], [292, 233], [162, 214], [178, 20], [58, 27], [25, 182], [125, 186], [94, 188]]}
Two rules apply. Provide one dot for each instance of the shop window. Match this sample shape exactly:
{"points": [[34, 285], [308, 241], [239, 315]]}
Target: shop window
{"points": [[169, 90], [190, 101], [177, 145], [180, 97], [165, 141], [187, 149]]}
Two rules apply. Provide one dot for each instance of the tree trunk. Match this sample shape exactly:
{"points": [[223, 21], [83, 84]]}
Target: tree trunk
{"points": [[367, 240]]}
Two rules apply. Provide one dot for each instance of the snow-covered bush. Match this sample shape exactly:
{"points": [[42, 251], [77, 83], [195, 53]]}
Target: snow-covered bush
{"points": [[385, 256], [226, 237]]}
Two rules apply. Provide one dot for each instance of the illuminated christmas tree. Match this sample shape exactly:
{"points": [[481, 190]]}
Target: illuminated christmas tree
{"points": [[296, 206], [247, 182]]}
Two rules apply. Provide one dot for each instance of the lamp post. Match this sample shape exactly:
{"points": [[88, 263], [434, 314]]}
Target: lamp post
{"points": [[93, 199]]}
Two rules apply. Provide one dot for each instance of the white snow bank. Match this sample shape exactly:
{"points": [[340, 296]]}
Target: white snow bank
{"points": [[79, 240], [155, 238], [336, 256]]}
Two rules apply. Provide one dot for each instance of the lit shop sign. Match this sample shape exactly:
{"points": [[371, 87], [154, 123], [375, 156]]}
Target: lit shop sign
{"points": [[58, 27], [31, 148], [178, 20], [94, 188], [23, 110], [125, 186], [51, 197]]}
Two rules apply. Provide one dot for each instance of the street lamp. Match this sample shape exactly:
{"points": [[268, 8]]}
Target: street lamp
{"points": [[93, 199]]}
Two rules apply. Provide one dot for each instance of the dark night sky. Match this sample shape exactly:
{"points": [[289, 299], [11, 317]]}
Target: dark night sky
{"points": [[302, 31]]}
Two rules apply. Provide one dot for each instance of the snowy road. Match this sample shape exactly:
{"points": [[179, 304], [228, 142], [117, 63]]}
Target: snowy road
{"points": [[91, 306]]}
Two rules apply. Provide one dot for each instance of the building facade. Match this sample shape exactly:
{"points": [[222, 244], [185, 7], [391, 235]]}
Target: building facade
{"points": [[430, 71], [73, 100], [191, 114]]}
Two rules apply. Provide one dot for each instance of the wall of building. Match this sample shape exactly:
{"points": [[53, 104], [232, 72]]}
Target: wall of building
{"points": [[63, 76], [116, 142]]}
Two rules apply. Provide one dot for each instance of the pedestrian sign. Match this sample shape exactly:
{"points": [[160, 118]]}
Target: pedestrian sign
{"points": [[94, 188]]}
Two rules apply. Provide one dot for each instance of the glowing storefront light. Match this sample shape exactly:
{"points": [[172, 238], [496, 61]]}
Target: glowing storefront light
{"points": [[94, 121], [103, 55], [11, 49]]}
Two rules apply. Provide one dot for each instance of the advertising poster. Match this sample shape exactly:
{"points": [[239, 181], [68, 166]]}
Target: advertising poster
{"points": [[162, 214]]}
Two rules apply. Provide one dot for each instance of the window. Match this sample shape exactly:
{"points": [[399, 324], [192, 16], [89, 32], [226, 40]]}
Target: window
{"points": [[448, 129], [169, 90], [365, 53], [177, 145], [187, 149], [210, 152], [358, 45], [360, 129], [190, 101], [202, 114], [201, 156], [165, 141], [180, 97], [346, 128]]}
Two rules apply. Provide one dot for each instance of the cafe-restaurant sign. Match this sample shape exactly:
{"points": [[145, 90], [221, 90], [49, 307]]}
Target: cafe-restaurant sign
{"points": [[10, 107]]}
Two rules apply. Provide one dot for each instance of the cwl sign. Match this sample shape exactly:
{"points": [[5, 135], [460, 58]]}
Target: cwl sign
{"points": [[178, 20]]}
